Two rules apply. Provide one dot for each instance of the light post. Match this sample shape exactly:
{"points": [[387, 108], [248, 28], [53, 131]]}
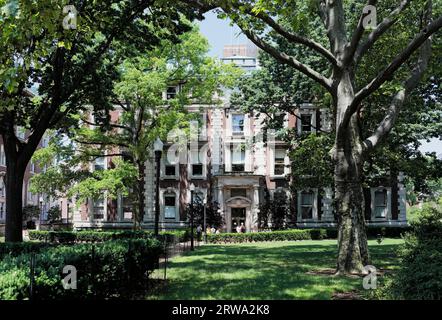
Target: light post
{"points": [[158, 149], [192, 190], [41, 208], [204, 220]]}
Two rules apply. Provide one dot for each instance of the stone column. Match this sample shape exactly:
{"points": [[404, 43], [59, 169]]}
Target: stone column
{"points": [[255, 210]]}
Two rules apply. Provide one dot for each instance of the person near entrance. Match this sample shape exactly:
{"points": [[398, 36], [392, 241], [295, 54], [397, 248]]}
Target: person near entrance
{"points": [[242, 228]]}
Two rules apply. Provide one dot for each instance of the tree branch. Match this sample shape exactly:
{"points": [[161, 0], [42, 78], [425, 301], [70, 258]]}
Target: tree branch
{"points": [[284, 58], [389, 71], [398, 100], [357, 35], [380, 30], [293, 37]]}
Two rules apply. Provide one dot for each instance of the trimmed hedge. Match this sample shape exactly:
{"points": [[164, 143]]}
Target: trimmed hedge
{"points": [[285, 235], [15, 249], [106, 270], [86, 236], [102, 236]]}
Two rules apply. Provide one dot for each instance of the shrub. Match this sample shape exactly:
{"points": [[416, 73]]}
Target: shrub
{"points": [[420, 275], [87, 236], [54, 214], [16, 249], [104, 270], [286, 235]]}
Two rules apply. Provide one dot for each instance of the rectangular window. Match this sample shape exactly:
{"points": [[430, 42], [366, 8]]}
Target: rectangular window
{"points": [[170, 170], [2, 156], [127, 208], [279, 162], [99, 164], [99, 209], [238, 123], [197, 169], [306, 123], [238, 192], [169, 207], [238, 158], [307, 198], [380, 203], [171, 92]]}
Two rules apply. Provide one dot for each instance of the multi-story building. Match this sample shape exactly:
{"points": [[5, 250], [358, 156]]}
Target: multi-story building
{"points": [[29, 199], [227, 161]]}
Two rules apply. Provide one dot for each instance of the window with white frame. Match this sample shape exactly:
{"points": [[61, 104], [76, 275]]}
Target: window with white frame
{"points": [[98, 210], [306, 123], [127, 207], [238, 153], [172, 92], [196, 165], [306, 205], [380, 203], [198, 197], [169, 206], [279, 162], [237, 123], [99, 164], [2, 156]]}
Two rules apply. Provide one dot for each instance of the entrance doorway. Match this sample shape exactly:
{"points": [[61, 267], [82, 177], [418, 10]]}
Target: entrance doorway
{"points": [[238, 217]]}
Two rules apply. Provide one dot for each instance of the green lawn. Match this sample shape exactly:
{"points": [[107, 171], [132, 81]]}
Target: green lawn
{"points": [[271, 270]]}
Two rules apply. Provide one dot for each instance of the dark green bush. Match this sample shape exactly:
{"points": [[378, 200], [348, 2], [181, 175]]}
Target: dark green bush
{"points": [[87, 236], [16, 249], [286, 235], [104, 270], [420, 275]]}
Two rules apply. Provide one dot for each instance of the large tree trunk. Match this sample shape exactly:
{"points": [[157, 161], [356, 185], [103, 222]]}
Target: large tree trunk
{"points": [[352, 238], [14, 194]]}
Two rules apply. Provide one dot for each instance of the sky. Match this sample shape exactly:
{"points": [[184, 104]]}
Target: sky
{"points": [[219, 33]]}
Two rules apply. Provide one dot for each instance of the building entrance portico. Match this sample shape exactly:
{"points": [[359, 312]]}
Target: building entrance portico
{"points": [[238, 197], [238, 211]]}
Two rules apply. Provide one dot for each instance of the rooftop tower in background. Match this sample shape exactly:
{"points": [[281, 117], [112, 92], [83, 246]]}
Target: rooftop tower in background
{"points": [[244, 56]]}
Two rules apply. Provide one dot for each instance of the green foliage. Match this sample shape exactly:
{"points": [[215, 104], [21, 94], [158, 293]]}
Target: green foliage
{"points": [[87, 236], [213, 216], [420, 273], [105, 270], [31, 212], [274, 212], [54, 214], [286, 235]]}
